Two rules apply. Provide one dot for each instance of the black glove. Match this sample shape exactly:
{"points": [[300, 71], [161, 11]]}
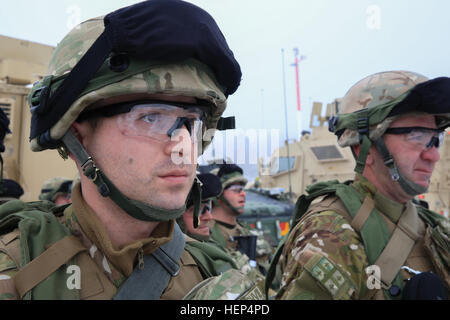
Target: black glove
{"points": [[424, 286]]}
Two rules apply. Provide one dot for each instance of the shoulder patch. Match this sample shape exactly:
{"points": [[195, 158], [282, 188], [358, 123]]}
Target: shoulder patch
{"points": [[330, 277]]}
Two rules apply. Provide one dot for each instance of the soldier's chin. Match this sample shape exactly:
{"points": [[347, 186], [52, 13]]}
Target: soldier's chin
{"points": [[423, 182], [241, 210]]}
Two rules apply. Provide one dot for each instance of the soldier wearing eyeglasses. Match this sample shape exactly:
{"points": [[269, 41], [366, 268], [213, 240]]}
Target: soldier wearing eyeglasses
{"points": [[128, 100], [366, 239]]}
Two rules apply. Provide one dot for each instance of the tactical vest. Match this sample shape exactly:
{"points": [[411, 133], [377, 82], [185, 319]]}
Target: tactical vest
{"points": [[41, 245], [382, 249]]}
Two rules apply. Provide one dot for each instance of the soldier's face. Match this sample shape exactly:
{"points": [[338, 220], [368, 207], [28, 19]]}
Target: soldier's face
{"points": [[139, 167], [235, 195], [415, 163], [203, 220]]}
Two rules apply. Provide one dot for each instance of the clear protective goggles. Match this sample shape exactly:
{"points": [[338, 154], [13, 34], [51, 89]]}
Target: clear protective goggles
{"points": [[236, 188], [162, 122], [420, 137]]}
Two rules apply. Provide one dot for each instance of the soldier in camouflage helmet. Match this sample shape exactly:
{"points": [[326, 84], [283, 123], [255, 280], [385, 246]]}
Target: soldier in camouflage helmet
{"points": [[56, 190], [128, 97], [365, 239], [225, 228]]}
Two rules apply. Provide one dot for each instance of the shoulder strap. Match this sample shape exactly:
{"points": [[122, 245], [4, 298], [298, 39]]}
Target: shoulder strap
{"points": [[367, 221], [10, 244], [211, 259], [150, 282], [45, 264], [399, 246]]}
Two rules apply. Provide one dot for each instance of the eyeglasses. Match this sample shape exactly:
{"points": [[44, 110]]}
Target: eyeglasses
{"points": [[236, 188], [160, 121], [420, 137], [207, 205]]}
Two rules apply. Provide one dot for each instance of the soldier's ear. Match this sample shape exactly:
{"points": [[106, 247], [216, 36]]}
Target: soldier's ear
{"points": [[355, 150], [82, 130]]}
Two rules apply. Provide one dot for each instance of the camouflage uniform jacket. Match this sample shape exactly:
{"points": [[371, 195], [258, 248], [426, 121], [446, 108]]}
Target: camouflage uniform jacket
{"points": [[325, 258], [113, 266], [224, 234]]}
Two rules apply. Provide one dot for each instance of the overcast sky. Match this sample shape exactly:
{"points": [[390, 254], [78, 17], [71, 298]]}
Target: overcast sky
{"points": [[343, 41]]}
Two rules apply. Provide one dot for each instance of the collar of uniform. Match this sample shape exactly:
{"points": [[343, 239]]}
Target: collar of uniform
{"points": [[388, 207], [122, 258], [226, 225]]}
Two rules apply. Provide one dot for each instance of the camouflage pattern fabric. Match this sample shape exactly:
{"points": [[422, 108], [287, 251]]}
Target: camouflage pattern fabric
{"points": [[323, 258], [51, 188], [243, 264], [263, 248], [115, 265], [188, 78], [231, 285], [233, 178], [371, 92]]}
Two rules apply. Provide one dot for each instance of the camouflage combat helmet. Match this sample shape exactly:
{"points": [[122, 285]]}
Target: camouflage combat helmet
{"points": [[373, 103], [167, 47], [55, 187], [231, 174]]}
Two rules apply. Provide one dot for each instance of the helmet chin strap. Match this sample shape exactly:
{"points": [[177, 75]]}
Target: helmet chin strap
{"points": [[233, 209], [411, 188], [136, 209]]}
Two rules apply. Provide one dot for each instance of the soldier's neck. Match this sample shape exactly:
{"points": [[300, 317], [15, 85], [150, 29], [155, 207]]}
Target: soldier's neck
{"points": [[121, 228], [225, 215]]}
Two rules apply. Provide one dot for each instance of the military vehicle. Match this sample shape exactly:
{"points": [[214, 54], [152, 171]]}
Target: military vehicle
{"points": [[269, 211], [22, 63], [317, 157]]}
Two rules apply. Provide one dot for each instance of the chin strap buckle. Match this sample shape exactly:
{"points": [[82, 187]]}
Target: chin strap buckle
{"points": [[89, 169]]}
